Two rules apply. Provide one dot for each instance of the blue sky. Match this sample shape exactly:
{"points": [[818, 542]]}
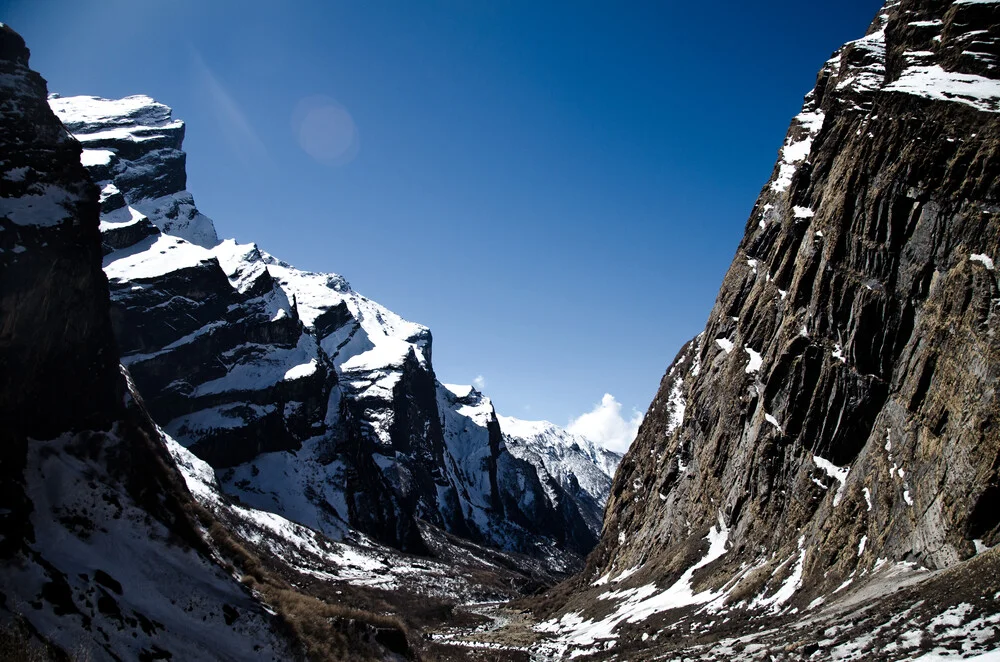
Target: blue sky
{"points": [[555, 188]]}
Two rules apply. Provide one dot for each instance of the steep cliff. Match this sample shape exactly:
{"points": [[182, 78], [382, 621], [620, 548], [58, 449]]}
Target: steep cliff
{"points": [[833, 430], [309, 399], [94, 520]]}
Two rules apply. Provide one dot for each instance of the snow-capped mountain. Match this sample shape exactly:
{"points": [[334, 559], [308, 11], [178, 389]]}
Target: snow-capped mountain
{"points": [[580, 467], [830, 438], [310, 400]]}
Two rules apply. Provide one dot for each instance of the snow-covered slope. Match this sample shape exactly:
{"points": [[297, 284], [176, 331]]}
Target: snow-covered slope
{"points": [[582, 468], [134, 142], [310, 400]]}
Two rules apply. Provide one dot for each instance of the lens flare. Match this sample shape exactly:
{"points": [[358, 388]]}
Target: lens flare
{"points": [[325, 130]]}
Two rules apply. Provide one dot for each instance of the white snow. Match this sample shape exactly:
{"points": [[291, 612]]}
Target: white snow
{"points": [[724, 344], [131, 111], [263, 369], [162, 580], [871, 75], [861, 545], [463, 391], [982, 258], [837, 473], [301, 370], [226, 417], [636, 604], [773, 421], [558, 454], [625, 574], [48, 207], [154, 256], [838, 353], [120, 218], [677, 404], [389, 353], [797, 151], [96, 157], [989, 656], [803, 212], [360, 562], [16, 174], [868, 498], [788, 587], [933, 82], [755, 360]]}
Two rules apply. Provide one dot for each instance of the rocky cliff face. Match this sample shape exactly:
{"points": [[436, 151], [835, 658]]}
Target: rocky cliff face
{"points": [[578, 466], [309, 399], [94, 518], [837, 418]]}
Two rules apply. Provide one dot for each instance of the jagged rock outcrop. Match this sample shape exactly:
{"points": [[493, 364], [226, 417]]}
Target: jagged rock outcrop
{"points": [[579, 466], [94, 520], [136, 145], [837, 418], [309, 399]]}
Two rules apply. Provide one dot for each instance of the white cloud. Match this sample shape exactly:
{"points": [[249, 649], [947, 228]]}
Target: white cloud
{"points": [[605, 425], [479, 382]]}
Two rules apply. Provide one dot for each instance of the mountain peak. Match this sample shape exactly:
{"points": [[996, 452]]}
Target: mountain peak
{"points": [[134, 144]]}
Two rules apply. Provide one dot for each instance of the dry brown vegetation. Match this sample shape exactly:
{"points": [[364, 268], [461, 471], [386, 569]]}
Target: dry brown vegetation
{"points": [[17, 645], [324, 631]]}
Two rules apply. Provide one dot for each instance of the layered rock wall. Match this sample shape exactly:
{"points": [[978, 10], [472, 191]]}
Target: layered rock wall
{"points": [[840, 407]]}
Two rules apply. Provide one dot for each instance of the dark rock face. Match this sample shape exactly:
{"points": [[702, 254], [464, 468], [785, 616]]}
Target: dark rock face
{"points": [[859, 313], [838, 413], [56, 344], [87, 489]]}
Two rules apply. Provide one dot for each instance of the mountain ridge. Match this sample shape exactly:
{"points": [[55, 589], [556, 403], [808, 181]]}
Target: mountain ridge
{"points": [[281, 377]]}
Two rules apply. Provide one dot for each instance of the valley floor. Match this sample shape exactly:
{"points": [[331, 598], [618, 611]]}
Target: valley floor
{"points": [[907, 614]]}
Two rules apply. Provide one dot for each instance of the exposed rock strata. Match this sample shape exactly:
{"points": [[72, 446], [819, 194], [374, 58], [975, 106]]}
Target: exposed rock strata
{"points": [[839, 411]]}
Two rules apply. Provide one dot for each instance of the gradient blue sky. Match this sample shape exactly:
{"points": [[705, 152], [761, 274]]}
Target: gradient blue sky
{"points": [[555, 188]]}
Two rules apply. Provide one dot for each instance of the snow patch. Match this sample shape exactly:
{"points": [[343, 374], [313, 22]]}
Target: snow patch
{"points": [[724, 344], [301, 370], [983, 259], [96, 157], [837, 473], [636, 604], [933, 82], [796, 151]]}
